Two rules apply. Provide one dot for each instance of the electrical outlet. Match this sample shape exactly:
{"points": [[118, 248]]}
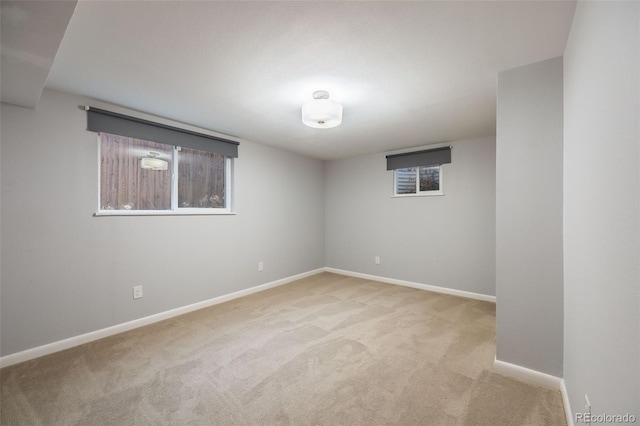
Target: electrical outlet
{"points": [[260, 266], [137, 292], [377, 260]]}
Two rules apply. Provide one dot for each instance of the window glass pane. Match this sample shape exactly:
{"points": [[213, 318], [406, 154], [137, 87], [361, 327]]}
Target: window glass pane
{"points": [[406, 180], [134, 174], [429, 178], [201, 178]]}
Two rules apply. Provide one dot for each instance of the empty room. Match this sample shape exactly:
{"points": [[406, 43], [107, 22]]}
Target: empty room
{"points": [[320, 213]]}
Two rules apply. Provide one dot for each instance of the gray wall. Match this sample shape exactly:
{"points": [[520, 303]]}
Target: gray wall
{"points": [[446, 241], [601, 208], [65, 272], [529, 274]]}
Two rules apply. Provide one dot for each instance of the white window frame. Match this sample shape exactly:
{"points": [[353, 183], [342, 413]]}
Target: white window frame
{"points": [[418, 193], [175, 210]]}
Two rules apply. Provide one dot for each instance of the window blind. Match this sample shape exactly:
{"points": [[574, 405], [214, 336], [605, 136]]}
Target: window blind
{"points": [[99, 120], [429, 157]]}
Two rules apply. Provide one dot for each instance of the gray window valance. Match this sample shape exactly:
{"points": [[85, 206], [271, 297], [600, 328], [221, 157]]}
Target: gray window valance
{"points": [[429, 157], [99, 120]]}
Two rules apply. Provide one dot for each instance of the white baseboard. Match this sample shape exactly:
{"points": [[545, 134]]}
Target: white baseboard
{"points": [[567, 405], [537, 378], [427, 287], [60, 345], [504, 368], [527, 375]]}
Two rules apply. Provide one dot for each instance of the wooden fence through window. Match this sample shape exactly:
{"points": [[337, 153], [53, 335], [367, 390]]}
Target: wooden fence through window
{"points": [[124, 185]]}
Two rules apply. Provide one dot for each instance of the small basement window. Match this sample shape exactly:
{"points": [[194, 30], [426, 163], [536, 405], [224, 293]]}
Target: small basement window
{"points": [[422, 180], [418, 173]]}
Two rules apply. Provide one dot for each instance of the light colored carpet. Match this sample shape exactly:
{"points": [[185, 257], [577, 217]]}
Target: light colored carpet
{"points": [[325, 350]]}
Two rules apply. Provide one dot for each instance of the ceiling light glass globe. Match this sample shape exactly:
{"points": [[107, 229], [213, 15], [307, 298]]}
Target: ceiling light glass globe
{"points": [[322, 113]]}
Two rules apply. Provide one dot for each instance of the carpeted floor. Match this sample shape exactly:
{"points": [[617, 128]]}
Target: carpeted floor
{"points": [[325, 350]]}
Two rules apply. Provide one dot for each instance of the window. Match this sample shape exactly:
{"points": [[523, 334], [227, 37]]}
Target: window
{"points": [[418, 172], [420, 180], [153, 168], [138, 176]]}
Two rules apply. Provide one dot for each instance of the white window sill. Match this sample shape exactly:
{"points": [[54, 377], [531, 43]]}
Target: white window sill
{"points": [[422, 194], [181, 212]]}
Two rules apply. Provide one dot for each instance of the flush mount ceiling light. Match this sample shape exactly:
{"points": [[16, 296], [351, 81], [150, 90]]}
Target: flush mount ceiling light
{"points": [[321, 112], [152, 162]]}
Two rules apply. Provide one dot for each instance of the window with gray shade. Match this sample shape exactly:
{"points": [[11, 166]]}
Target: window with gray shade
{"points": [[103, 121], [418, 172], [153, 168]]}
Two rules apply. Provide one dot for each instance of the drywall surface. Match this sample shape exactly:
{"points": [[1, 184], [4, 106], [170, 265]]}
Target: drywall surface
{"points": [[529, 274], [66, 272], [601, 208], [446, 241]]}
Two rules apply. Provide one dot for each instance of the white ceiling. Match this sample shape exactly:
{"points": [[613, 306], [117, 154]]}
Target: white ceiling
{"points": [[407, 73]]}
